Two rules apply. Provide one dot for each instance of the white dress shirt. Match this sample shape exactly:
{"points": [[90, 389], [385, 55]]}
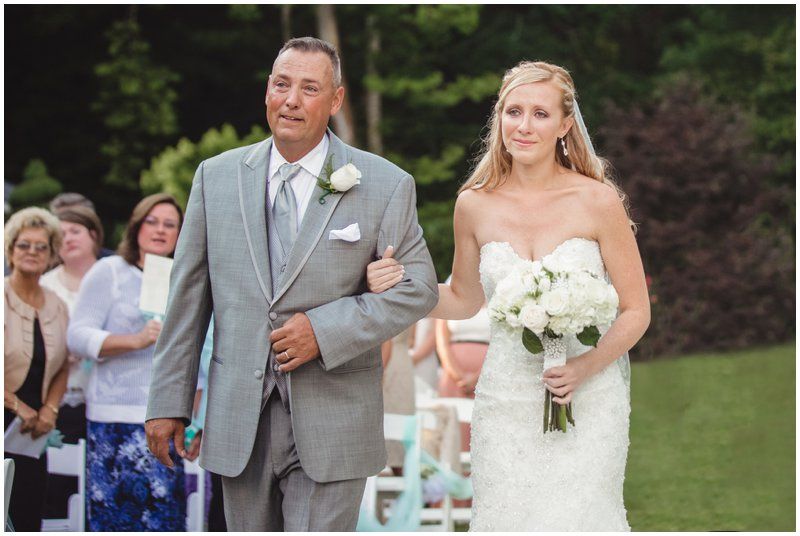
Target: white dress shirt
{"points": [[303, 184]]}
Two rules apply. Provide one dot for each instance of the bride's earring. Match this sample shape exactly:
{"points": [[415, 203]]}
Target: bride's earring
{"points": [[564, 147]]}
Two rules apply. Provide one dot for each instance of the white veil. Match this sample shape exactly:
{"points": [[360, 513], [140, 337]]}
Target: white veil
{"points": [[623, 362]]}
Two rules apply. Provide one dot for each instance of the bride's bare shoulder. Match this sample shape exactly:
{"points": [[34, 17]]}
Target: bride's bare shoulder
{"points": [[469, 201]]}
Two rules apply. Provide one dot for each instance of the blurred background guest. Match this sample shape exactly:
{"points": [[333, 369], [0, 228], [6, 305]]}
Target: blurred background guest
{"points": [[398, 390], [82, 235], [35, 353], [82, 240], [72, 200], [127, 488], [423, 353], [462, 345]]}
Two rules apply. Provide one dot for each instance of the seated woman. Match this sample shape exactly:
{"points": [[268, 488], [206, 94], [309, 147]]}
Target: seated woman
{"points": [[35, 353]]}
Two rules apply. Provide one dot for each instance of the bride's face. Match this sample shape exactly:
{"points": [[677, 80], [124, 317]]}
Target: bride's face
{"points": [[532, 122]]}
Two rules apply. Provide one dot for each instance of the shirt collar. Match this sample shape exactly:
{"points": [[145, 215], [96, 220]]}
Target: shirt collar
{"points": [[312, 162]]}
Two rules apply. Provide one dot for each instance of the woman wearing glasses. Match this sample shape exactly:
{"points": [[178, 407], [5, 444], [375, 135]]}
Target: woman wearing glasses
{"points": [[35, 353], [126, 488]]}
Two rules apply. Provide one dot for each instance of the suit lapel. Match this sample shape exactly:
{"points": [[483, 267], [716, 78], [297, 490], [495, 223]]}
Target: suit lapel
{"points": [[314, 221], [252, 201]]}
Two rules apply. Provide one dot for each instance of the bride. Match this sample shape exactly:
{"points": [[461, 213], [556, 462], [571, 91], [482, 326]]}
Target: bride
{"points": [[538, 191]]}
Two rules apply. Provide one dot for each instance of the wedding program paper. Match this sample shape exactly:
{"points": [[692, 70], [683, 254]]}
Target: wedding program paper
{"points": [[155, 284]]}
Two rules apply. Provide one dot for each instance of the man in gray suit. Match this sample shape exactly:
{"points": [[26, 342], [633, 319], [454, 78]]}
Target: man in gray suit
{"points": [[294, 416]]}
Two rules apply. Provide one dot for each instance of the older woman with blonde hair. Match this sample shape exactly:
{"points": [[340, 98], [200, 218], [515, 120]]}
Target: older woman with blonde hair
{"points": [[540, 193], [35, 353]]}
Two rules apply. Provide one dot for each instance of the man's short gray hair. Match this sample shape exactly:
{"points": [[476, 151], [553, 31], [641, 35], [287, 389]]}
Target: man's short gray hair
{"points": [[312, 44]]}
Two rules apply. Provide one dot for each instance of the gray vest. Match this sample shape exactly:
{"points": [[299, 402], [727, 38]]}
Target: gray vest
{"points": [[277, 265]]}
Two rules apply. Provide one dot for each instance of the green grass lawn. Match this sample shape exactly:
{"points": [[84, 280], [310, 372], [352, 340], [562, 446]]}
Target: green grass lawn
{"points": [[713, 442]]}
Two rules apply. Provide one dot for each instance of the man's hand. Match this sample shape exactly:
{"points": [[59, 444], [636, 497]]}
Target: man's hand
{"points": [[159, 432], [294, 343]]}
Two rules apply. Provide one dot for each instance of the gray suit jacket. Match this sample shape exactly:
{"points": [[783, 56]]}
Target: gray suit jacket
{"points": [[222, 266]]}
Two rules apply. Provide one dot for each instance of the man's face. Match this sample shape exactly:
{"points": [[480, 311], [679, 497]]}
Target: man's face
{"points": [[300, 99]]}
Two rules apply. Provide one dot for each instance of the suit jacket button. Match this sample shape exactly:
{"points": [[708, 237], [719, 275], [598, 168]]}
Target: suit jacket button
{"points": [[273, 316], [258, 374]]}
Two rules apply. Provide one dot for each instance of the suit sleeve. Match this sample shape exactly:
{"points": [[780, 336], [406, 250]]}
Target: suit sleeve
{"points": [[349, 326], [177, 354]]}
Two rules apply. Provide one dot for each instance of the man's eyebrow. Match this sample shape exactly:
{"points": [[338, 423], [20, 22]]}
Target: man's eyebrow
{"points": [[303, 81]]}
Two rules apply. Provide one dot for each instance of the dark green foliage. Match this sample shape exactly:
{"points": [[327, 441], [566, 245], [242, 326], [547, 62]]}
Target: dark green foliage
{"points": [[37, 187], [172, 171], [136, 101]]}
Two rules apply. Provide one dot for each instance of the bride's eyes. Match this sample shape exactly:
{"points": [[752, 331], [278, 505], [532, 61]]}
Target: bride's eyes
{"points": [[516, 112]]}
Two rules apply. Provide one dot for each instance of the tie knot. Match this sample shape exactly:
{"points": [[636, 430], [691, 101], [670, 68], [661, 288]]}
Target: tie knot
{"points": [[288, 171]]}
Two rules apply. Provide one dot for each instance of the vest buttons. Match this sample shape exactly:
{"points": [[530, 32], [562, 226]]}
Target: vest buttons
{"points": [[273, 316], [258, 374]]}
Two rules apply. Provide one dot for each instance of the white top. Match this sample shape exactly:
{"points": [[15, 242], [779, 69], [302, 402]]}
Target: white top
{"points": [[475, 329], [53, 281], [303, 184], [78, 377], [108, 303]]}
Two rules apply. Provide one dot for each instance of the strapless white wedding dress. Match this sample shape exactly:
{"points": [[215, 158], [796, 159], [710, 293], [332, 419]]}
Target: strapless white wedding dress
{"points": [[525, 480]]}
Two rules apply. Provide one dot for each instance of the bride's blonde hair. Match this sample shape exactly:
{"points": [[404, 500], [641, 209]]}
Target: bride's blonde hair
{"points": [[494, 163]]}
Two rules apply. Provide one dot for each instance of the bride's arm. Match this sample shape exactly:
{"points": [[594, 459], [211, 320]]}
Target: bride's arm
{"points": [[624, 265], [463, 297]]}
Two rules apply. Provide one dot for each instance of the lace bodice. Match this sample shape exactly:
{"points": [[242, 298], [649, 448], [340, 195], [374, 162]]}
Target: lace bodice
{"points": [[498, 258]]}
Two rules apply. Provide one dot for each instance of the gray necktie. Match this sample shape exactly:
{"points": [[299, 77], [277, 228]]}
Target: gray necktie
{"points": [[284, 211]]}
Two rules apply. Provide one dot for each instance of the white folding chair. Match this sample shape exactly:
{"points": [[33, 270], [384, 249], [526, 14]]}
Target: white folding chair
{"points": [[69, 460], [9, 483], [196, 501]]}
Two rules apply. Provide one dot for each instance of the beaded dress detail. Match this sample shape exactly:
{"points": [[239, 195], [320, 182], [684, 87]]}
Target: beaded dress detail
{"points": [[525, 480]]}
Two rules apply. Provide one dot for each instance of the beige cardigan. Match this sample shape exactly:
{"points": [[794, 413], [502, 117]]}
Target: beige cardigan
{"points": [[53, 319]]}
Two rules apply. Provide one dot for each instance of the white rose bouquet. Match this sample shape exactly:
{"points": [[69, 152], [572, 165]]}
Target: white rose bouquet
{"points": [[547, 300]]}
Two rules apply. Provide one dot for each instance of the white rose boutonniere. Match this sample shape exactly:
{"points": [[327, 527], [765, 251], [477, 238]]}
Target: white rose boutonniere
{"points": [[339, 181]]}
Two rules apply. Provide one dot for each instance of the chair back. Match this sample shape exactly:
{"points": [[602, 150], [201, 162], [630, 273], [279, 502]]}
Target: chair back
{"points": [[9, 482], [70, 460]]}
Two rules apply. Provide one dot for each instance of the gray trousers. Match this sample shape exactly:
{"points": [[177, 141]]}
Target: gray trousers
{"points": [[274, 493]]}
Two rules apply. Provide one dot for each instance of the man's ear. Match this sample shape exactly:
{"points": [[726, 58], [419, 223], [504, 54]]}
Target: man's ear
{"points": [[266, 91], [338, 99]]}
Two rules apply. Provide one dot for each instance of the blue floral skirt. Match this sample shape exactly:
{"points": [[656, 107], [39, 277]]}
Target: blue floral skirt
{"points": [[127, 488]]}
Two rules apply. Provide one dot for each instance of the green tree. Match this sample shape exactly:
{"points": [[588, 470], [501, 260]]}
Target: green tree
{"points": [[744, 55], [136, 99], [37, 187], [172, 171]]}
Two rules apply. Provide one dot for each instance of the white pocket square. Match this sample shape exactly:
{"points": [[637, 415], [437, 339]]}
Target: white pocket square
{"points": [[351, 233]]}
